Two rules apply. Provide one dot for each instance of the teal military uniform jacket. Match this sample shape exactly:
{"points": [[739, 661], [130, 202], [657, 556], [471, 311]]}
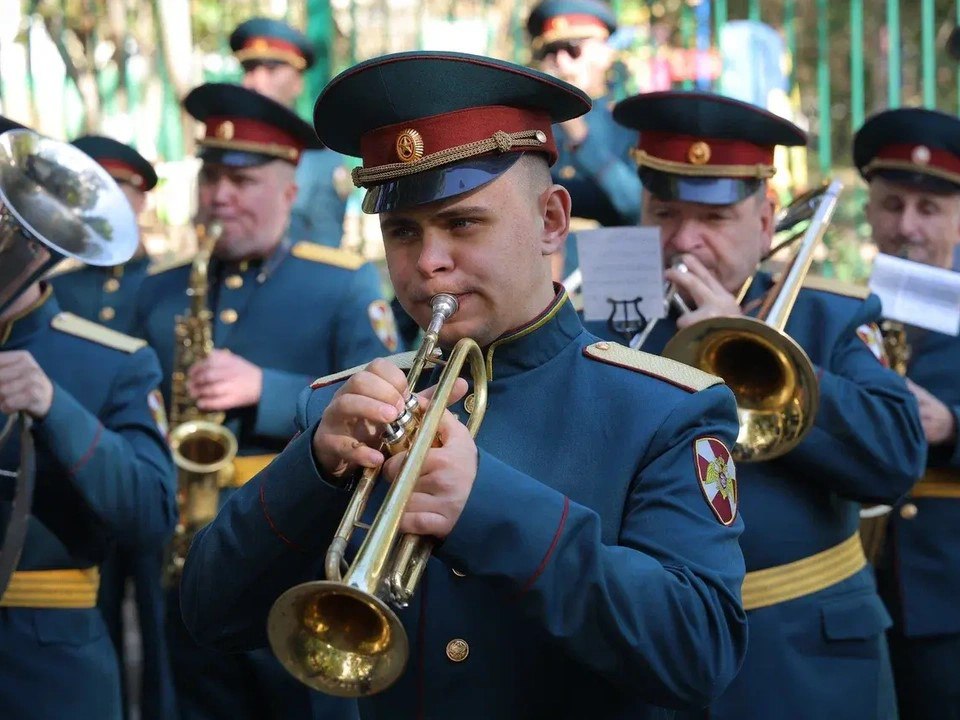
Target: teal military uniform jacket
{"points": [[323, 185], [305, 310], [104, 476], [105, 295], [823, 654], [588, 576]]}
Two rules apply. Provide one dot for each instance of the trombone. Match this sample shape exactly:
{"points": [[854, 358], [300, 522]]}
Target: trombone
{"points": [[771, 376], [339, 635]]}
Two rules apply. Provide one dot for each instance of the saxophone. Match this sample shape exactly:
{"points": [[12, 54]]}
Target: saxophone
{"points": [[896, 345], [203, 449]]}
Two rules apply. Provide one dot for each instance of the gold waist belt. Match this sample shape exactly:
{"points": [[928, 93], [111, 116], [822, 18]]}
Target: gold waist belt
{"points": [[244, 468], [938, 483], [806, 576], [61, 589]]}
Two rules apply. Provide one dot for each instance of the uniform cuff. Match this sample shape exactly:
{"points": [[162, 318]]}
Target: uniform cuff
{"points": [[277, 408], [69, 431]]}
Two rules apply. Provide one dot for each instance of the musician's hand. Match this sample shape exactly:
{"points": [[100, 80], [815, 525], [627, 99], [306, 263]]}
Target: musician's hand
{"points": [[939, 424], [445, 482], [24, 386], [224, 381], [710, 298]]}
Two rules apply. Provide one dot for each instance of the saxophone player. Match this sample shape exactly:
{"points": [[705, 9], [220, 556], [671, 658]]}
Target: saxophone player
{"points": [[279, 310], [910, 159]]}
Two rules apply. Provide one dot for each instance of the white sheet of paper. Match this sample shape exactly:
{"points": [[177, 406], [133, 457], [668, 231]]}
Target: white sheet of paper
{"points": [[917, 294], [622, 273]]}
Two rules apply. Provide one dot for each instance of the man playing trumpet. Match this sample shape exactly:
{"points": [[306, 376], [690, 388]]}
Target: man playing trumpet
{"points": [[817, 645], [586, 562]]}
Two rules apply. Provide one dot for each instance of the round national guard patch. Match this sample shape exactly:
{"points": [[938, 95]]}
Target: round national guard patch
{"points": [[718, 477], [381, 318], [873, 339], [155, 403]]}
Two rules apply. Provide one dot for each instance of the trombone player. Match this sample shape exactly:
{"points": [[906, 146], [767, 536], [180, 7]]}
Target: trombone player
{"points": [[810, 597], [910, 159], [586, 562], [103, 470]]}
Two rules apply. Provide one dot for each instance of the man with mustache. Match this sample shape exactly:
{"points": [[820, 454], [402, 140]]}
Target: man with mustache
{"points": [[281, 309], [586, 560], [910, 158]]}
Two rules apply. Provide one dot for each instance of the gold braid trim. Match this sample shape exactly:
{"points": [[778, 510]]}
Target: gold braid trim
{"points": [[642, 157], [280, 151], [911, 167], [500, 142]]}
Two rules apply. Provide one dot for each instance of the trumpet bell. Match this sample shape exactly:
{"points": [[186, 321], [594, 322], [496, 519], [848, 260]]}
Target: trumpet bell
{"points": [[337, 639], [769, 373]]}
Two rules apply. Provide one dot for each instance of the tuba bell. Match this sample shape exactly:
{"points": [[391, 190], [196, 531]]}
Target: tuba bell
{"points": [[772, 378], [55, 202], [340, 636]]}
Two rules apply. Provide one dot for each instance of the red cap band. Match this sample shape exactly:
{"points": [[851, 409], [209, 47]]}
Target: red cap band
{"points": [[123, 172], [919, 157], [251, 136], [269, 48]]}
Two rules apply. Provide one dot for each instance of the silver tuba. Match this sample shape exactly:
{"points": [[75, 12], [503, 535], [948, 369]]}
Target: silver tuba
{"points": [[55, 202]]}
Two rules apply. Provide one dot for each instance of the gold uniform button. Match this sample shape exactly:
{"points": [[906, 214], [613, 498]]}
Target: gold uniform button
{"points": [[107, 313], [457, 650], [470, 403], [234, 282], [568, 172], [908, 511], [111, 285], [459, 573], [228, 316]]}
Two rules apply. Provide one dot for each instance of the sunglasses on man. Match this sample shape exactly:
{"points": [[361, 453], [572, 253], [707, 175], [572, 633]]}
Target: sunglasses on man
{"points": [[573, 48]]}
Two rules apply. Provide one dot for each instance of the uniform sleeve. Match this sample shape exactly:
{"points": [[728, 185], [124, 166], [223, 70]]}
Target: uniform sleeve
{"points": [[269, 536], [355, 340], [278, 401], [614, 173], [867, 443], [658, 614], [117, 461]]}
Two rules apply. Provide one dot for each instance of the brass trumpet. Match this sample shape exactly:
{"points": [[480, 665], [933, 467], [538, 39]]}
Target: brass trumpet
{"points": [[771, 376], [340, 636]]}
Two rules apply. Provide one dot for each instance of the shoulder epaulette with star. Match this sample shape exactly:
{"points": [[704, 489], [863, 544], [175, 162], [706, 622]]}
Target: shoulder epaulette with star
{"points": [[79, 327], [676, 373], [837, 287], [404, 361], [328, 255]]}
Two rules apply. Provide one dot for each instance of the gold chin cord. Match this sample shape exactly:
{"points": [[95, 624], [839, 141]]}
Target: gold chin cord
{"points": [[772, 378], [55, 202], [203, 449], [340, 636]]}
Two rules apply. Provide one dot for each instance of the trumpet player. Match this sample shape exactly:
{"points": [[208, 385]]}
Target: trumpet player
{"points": [[103, 471], [911, 162], [817, 646], [277, 310], [586, 560]]}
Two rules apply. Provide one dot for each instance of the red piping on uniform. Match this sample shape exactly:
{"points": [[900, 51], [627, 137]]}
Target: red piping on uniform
{"points": [[89, 453], [553, 546], [639, 370], [284, 538]]}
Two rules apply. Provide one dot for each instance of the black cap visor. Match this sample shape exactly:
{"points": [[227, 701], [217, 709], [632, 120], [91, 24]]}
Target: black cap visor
{"points": [[706, 190], [439, 184], [918, 181]]}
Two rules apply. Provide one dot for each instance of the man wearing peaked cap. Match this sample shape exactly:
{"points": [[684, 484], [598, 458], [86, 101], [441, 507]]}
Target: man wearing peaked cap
{"points": [[910, 158], [810, 597], [282, 311], [570, 40], [565, 558]]}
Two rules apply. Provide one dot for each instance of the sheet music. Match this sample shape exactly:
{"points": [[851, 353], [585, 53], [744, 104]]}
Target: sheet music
{"points": [[917, 294], [622, 273]]}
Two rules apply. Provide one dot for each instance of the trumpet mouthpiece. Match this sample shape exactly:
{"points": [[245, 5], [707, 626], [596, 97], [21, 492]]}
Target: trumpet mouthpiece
{"points": [[444, 305]]}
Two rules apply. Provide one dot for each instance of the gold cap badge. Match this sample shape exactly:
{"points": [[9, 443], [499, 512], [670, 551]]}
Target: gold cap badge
{"points": [[409, 146], [920, 155], [699, 153], [225, 130]]}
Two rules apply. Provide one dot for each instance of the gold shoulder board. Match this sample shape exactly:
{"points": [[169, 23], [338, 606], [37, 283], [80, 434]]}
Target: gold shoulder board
{"points": [[327, 255], [75, 325], [671, 371], [837, 287], [404, 361], [160, 266]]}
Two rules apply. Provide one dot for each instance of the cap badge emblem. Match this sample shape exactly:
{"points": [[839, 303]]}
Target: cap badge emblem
{"points": [[225, 130], [260, 44], [699, 153], [920, 155], [409, 146]]}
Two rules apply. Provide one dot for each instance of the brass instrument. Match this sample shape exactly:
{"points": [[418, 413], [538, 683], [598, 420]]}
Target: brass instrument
{"points": [[340, 636], [896, 345], [671, 299], [55, 202], [771, 376], [203, 449]]}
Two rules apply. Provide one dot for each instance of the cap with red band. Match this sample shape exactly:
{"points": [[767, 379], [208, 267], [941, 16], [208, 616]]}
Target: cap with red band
{"points": [[554, 21], [122, 162], [267, 40], [419, 145]]}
